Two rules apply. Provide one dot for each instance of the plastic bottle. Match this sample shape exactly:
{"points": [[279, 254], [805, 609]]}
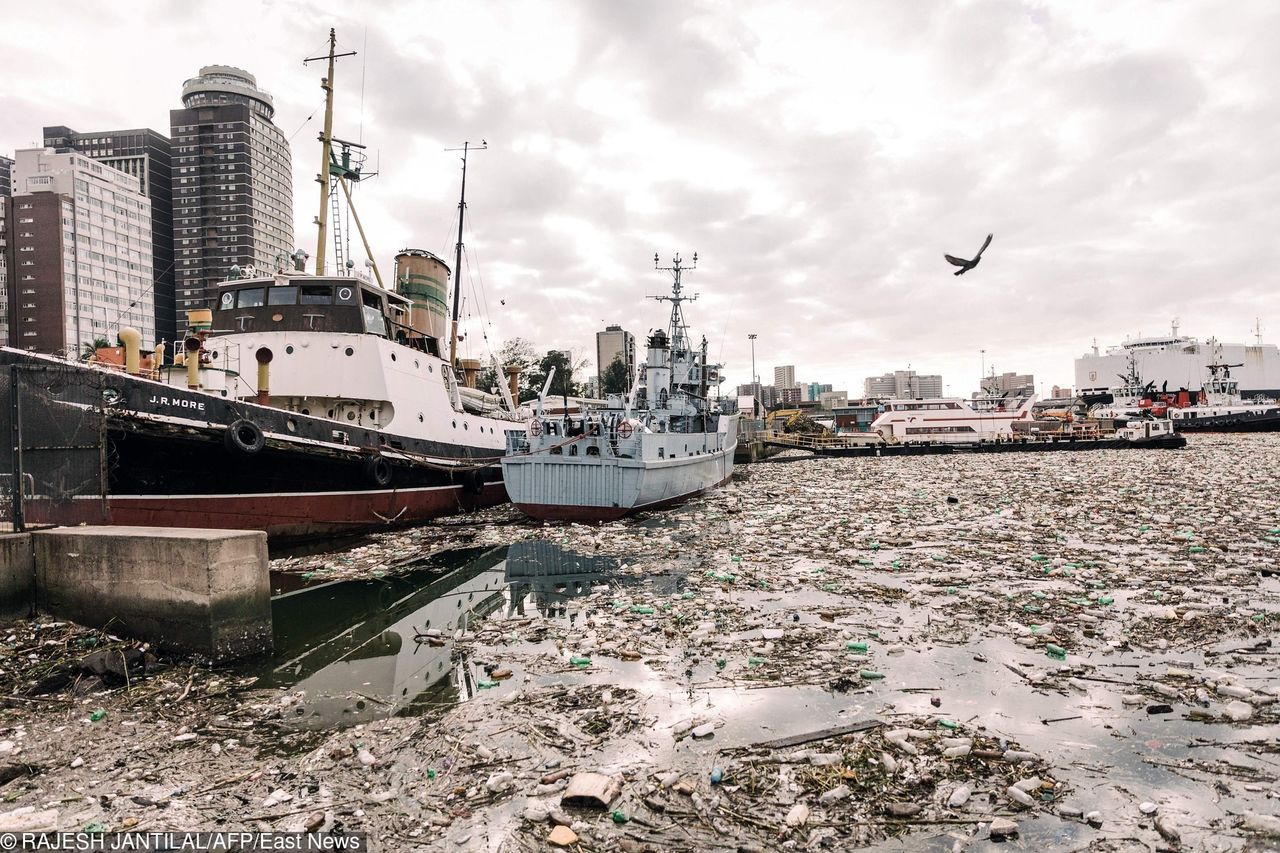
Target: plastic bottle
{"points": [[1019, 796], [579, 660], [856, 646], [1055, 651], [870, 675]]}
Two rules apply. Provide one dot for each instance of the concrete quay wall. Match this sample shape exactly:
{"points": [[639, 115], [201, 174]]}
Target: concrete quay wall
{"points": [[205, 591], [17, 576]]}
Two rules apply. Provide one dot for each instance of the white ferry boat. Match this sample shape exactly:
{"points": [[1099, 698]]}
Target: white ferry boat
{"points": [[670, 443], [950, 420]]}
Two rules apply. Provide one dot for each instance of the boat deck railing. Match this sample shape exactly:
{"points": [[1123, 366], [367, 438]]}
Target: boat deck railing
{"points": [[816, 441]]}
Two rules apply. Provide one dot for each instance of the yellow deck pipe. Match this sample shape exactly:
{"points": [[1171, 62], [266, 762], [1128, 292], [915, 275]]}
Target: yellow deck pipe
{"points": [[192, 346], [263, 356], [131, 339]]}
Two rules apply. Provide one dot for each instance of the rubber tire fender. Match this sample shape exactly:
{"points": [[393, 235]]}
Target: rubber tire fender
{"points": [[473, 482], [378, 470], [244, 438]]}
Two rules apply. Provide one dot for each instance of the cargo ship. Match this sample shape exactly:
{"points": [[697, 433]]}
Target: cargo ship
{"points": [[1176, 362]]}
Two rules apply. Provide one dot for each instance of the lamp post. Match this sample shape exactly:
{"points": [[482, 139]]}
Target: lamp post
{"points": [[755, 380]]}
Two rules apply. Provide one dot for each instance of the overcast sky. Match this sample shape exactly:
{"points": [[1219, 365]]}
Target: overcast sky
{"points": [[820, 158]]}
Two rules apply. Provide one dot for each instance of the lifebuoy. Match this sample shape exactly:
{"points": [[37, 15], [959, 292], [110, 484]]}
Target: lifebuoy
{"points": [[624, 429], [244, 437], [378, 470], [535, 428]]}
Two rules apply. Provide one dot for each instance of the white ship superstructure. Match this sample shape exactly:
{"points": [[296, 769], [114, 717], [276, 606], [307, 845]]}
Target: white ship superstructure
{"points": [[949, 420], [1175, 361]]}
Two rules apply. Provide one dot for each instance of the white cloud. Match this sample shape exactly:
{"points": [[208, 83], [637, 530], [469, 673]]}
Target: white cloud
{"points": [[820, 157]]}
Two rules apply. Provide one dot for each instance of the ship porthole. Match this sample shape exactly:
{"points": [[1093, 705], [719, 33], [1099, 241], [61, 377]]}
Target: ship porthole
{"points": [[289, 349], [464, 425], [455, 424], [349, 351], [393, 356], [291, 425], [415, 364], [306, 411], [419, 417]]}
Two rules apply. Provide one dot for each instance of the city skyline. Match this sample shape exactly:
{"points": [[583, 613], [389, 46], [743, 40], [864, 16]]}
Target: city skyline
{"points": [[867, 140]]}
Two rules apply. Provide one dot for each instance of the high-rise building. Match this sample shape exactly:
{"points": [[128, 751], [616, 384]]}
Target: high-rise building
{"points": [[615, 342], [146, 155], [6, 169], [232, 183], [1023, 383], [784, 377], [812, 389], [79, 253], [902, 385], [767, 395]]}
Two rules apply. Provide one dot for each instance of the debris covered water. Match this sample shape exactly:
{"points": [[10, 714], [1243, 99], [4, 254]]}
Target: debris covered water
{"points": [[1065, 650]]}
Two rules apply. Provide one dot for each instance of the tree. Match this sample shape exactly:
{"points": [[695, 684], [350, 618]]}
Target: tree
{"points": [[615, 380], [562, 384], [89, 349], [515, 351]]}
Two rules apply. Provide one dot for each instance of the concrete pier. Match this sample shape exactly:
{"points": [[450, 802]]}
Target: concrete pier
{"points": [[197, 590]]}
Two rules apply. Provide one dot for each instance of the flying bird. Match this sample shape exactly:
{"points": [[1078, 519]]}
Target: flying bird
{"points": [[964, 265]]}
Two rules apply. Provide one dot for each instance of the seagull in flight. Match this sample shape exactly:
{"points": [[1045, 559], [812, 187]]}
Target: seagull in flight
{"points": [[964, 265]]}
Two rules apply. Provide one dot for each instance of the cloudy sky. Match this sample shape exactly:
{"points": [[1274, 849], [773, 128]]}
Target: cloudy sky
{"points": [[819, 157]]}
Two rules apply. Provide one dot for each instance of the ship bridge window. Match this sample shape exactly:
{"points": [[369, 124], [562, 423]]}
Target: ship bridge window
{"points": [[374, 320], [282, 296], [316, 294], [250, 297]]}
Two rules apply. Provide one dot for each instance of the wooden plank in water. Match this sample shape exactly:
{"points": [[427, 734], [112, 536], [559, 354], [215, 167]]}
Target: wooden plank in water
{"points": [[821, 734]]}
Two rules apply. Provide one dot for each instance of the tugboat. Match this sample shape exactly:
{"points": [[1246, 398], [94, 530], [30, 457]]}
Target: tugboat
{"points": [[1221, 409], [663, 443], [349, 417]]}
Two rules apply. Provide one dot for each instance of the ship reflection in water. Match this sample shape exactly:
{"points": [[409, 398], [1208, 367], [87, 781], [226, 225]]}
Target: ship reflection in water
{"points": [[360, 650]]}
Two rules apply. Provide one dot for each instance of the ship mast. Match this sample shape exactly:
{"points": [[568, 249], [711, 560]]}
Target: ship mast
{"points": [[677, 314], [457, 260], [326, 140]]}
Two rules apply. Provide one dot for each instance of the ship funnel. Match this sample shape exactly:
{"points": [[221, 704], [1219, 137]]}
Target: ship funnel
{"points": [[513, 377], [424, 279], [470, 371]]}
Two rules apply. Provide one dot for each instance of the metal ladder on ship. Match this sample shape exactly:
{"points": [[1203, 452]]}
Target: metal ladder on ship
{"points": [[337, 227]]}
